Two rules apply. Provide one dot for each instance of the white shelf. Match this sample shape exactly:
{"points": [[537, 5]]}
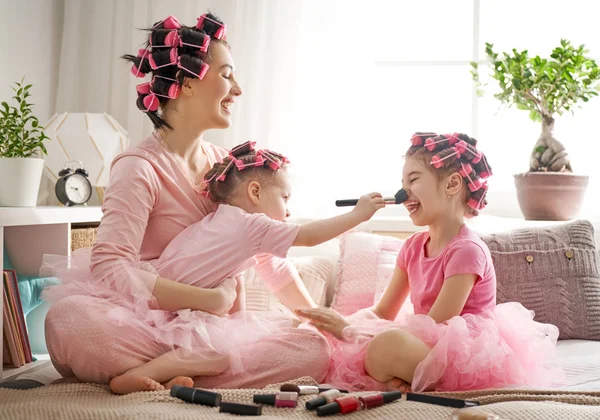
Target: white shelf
{"points": [[28, 233], [11, 373], [45, 215]]}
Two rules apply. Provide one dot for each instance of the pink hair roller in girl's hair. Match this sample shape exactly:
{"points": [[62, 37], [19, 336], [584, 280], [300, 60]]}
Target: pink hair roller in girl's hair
{"points": [[465, 170], [418, 139], [400, 197]]}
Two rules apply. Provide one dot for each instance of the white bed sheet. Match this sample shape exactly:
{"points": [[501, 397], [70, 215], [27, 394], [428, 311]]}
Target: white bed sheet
{"points": [[580, 360]]}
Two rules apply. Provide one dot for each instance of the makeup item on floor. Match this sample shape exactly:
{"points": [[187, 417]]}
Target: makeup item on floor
{"points": [[324, 397], [241, 409], [300, 389], [400, 197], [472, 414], [447, 402], [342, 405], [376, 400], [323, 389], [196, 396], [279, 400], [350, 403]]}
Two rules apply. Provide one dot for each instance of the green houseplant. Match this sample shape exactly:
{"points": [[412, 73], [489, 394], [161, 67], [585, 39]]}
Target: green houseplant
{"points": [[21, 150], [545, 88]]}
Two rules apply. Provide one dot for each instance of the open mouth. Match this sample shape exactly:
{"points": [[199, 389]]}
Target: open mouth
{"points": [[412, 206], [227, 106]]}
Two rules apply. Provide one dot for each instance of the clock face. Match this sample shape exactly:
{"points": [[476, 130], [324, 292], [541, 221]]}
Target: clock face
{"points": [[78, 188]]}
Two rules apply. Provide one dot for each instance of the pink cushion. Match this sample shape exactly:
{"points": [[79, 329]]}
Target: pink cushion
{"points": [[366, 266]]}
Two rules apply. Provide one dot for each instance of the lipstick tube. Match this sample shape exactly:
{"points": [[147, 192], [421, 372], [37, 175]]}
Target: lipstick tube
{"points": [[376, 400], [342, 405], [279, 400], [323, 398], [195, 395]]}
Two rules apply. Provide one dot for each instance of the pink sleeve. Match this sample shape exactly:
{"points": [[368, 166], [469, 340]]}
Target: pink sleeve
{"points": [[268, 236], [465, 257], [276, 272], [129, 200], [401, 260]]}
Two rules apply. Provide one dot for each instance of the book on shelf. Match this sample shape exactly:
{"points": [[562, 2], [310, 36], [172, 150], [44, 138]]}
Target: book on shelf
{"points": [[16, 347]]}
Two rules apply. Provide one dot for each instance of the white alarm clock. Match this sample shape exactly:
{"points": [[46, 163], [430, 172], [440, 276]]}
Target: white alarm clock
{"points": [[73, 186]]}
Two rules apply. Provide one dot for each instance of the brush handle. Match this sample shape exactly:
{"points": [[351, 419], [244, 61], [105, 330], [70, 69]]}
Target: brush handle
{"points": [[353, 202], [346, 203]]}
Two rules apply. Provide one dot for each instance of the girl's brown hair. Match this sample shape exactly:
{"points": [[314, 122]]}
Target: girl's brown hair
{"points": [[457, 152], [244, 162]]}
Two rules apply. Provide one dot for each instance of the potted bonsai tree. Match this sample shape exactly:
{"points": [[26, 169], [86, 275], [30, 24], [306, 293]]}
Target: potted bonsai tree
{"points": [[21, 150], [546, 88]]}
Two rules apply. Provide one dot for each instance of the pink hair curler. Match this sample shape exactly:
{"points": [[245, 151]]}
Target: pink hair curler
{"points": [[465, 170], [475, 184], [418, 138], [143, 88], [170, 22], [202, 47], [200, 75], [135, 70], [171, 40], [151, 102], [220, 33], [438, 162], [173, 55]]}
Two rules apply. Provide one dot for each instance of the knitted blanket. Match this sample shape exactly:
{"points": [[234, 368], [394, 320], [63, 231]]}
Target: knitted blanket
{"points": [[89, 401]]}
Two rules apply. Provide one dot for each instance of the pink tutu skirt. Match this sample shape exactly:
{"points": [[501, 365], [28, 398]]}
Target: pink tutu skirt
{"points": [[129, 302], [494, 350]]}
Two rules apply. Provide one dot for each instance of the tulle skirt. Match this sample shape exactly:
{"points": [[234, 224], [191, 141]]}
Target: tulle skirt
{"points": [[131, 303], [493, 350]]}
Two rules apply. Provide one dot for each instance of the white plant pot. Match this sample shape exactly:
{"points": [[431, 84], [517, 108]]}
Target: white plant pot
{"points": [[20, 181]]}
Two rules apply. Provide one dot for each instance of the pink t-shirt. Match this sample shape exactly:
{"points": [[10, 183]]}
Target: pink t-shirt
{"points": [[465, 254], [224, 244]]}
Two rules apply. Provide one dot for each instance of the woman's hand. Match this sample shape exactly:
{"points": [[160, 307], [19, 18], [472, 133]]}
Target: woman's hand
{"points": [[225, 295], [325, 319]]}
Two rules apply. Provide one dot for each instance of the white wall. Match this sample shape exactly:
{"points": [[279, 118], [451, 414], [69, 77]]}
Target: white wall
{"points": [[31, 34]]}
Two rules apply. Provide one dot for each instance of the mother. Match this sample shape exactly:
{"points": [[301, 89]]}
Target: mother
{"points": [[154, 194]]}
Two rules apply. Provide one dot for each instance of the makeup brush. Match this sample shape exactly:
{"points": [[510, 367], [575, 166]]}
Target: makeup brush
{"points": [[400, 197]]}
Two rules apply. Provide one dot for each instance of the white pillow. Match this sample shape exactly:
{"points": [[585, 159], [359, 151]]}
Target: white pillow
{"points": [[315, 272]]}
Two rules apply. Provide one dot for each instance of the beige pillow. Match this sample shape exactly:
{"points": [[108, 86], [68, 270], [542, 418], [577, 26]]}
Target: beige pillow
{"points": [[553, 271], [315, 272]]}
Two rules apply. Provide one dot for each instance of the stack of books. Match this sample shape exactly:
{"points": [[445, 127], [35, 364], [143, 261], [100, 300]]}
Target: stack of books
{"points": [[16, 348]]}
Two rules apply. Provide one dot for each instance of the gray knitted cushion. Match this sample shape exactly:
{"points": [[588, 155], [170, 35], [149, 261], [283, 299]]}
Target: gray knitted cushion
{"points": [[553, 271]]}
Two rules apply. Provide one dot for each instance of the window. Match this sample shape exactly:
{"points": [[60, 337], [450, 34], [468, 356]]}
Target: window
{"points": [[366, 78]]}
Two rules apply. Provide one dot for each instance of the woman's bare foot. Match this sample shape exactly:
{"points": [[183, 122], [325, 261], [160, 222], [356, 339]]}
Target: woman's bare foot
{"points": [[179, 380], [397, 384], [131, 382]]}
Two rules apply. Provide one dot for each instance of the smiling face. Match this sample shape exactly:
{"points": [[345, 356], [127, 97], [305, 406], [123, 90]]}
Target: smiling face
{"points": [[214, 96], [433, 194]]}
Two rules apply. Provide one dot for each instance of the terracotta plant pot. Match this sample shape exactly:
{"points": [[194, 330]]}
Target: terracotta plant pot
{"points": [[550, 195]]}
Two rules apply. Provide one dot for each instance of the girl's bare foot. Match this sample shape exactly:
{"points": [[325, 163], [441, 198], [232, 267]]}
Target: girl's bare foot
{"points": [[397, 384], [179, 380], [131, 382]]}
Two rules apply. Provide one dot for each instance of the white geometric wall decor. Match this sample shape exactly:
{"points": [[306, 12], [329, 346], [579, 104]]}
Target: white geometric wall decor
{"points": [[93, 139]]}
